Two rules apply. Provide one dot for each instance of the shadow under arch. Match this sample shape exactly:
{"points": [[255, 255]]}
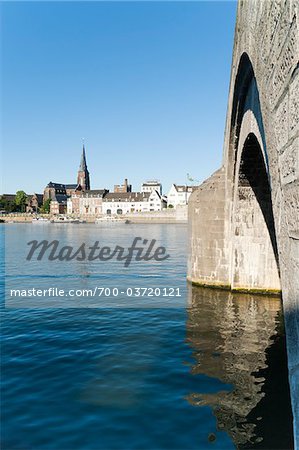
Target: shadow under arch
{"points": [[253, 172], [254, 251], [255, 254], [246, 97]]}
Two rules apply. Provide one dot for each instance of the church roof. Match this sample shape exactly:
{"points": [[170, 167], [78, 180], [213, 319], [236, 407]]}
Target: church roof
{"points": [[71, 186], [56, 185], [60, 198]]}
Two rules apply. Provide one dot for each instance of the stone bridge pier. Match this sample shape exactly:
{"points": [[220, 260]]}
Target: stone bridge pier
{"points": [[244, 219]]}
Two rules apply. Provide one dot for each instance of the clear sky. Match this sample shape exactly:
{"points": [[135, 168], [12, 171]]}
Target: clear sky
{"points": [[144, 83]]}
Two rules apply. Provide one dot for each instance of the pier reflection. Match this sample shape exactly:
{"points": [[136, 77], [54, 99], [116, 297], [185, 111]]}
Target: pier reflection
{"points": [[239, 339]]}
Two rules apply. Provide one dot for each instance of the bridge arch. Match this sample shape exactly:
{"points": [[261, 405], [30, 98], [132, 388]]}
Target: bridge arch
{"points": [[254, 265], [254, 261], [246, 101]]}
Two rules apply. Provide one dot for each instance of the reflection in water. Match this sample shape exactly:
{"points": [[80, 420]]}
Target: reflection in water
{"points": [[239, 339]]}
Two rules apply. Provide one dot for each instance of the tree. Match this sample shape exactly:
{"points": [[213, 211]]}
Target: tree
{"points": [[21, 200], [46, 206], [170, 206], [2, 202], [7, 205]]}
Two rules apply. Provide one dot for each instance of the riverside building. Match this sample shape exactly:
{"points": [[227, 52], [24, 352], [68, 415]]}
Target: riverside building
{"points": [[179, 195], [132, 202]]}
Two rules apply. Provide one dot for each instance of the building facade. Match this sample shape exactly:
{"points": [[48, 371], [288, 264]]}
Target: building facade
{"points": [[86, 202], [132, 202], [58, 205], [152, 185], [35, 202], [122, 188], [179, 195], [73, 203], [53, 189], [59, 193]]}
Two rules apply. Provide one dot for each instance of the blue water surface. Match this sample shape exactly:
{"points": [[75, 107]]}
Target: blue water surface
{"points": [[184, 376]]}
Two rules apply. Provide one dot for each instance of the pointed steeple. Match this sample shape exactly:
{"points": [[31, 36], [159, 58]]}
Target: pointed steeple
{"points": [[83, 174], [83, 165]]}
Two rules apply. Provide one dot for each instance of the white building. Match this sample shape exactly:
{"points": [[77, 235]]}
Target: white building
{"points": [[150, 186], [132, 202], [179, 195]]}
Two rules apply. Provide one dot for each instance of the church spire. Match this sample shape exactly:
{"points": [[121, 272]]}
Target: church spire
{"points": [[83, 174], [83, 165]]}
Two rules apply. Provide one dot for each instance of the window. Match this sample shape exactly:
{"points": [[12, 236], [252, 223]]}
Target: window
{"points": [[109, 212], [119, 211]]}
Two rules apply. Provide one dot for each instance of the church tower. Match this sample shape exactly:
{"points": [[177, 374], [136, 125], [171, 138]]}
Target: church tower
{"points": [[83, 174]]}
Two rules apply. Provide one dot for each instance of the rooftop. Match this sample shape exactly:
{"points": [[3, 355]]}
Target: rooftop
{"points": [[95, 193], [126, 196], [151, 183], [184, 188]]}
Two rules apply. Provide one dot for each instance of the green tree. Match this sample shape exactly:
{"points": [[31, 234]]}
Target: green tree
{"points": [[170, 206], [46, 206], [21, 200], [3, 203], [6, 205]]}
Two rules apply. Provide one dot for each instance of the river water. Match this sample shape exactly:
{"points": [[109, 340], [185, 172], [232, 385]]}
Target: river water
{"points": [[205, 369]]}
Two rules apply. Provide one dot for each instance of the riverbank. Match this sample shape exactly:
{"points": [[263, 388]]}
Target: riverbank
{"points": [[171, 216]]}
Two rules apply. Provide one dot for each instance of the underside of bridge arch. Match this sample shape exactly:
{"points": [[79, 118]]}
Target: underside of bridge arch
{"points": [[254, 265], [232, 241]]}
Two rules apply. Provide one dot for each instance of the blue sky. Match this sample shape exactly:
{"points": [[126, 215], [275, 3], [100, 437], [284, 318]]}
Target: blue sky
{"points": [[144, 83]]}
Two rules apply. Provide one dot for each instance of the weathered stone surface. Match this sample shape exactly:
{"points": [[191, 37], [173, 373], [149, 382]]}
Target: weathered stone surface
{"points": [[244, 220]]}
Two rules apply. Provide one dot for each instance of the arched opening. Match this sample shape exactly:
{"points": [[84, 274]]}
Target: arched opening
{"points": [[255, 256], [246, 98]]}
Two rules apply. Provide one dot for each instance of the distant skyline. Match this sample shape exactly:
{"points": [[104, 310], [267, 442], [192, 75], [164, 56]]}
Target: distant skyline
{"points": [[144, 83]]}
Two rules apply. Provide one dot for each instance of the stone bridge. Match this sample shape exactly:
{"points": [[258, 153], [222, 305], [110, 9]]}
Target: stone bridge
{"points": [[244, 219]]}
